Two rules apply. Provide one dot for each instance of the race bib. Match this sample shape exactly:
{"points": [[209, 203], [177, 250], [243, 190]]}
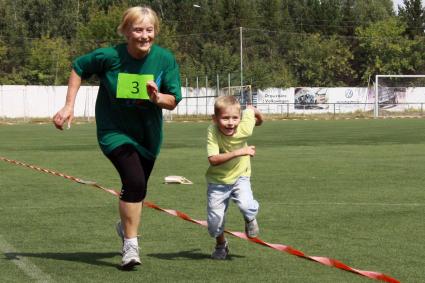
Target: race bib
{"points": [[133, 86]]}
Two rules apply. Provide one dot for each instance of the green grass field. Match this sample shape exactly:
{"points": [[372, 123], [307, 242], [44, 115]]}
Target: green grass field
{"points": [[352, 190]]}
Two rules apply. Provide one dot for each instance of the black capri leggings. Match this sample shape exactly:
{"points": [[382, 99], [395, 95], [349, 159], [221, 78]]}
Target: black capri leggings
{"points": [[134, 172]]}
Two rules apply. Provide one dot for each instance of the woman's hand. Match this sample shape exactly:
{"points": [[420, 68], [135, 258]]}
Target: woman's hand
{"points": [[162, 100], [153, 92], [63, 115]]}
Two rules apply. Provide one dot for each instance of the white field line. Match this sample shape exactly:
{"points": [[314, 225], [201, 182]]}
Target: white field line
{"points": [[44, 207], [24, 264], [271, 203], [346, 204]]}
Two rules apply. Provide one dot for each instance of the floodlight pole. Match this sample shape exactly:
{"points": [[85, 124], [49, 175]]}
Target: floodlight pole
{"points": [[240, 39], [241, 49]]}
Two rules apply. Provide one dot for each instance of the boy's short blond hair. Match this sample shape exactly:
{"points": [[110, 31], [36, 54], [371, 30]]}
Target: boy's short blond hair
{"points": [[135, 15], [225, 101]]}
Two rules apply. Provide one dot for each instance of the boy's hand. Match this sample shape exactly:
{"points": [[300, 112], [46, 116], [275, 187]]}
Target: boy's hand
{"points": [[258, 116], [224, 157], [249, 150]]}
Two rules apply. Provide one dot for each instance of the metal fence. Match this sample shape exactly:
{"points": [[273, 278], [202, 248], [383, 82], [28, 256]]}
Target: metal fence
{"points": [[203, 107], [29, 102]]}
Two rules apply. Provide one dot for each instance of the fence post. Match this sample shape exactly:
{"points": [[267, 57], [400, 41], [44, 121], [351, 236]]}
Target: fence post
{"points": [[206, 94], [187, 96], [228, 84], [2, 115], [197, 95]]}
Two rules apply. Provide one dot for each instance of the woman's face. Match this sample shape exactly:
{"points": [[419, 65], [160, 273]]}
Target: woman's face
{"points": [[140, 37]]}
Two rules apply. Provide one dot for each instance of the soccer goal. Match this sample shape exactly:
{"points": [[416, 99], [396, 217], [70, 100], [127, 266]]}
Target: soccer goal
{"points": [[399, 95], [243, 93]]}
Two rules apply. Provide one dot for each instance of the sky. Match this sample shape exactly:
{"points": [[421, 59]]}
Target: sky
{"points": [[400, 2], [396, 3]]}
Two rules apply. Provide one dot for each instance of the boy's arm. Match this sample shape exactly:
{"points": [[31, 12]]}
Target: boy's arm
{"points": [[224, 157], [258, 116]]}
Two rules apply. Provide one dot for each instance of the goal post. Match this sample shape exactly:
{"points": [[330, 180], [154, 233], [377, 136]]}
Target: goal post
{"points": [[389, 88], [243, 93]]}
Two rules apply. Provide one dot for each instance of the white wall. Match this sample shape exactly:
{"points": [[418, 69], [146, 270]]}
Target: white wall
{"points": [[44, 101]]}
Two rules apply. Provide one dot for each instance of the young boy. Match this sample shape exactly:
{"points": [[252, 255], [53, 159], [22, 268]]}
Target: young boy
{"points": [[228, 175]]}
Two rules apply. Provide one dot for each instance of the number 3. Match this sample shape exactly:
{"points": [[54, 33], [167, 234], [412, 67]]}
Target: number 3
{"points": [[135, 87]]}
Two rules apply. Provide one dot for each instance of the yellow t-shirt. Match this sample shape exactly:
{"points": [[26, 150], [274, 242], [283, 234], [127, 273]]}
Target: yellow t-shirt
{"points": [[230, 171]]}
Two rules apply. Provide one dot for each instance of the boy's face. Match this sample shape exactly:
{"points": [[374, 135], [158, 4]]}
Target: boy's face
{"points": [[228, 120]]}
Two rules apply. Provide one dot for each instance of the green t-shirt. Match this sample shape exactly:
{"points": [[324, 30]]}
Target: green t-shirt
{"points": [[230, 171], [124, 115]]}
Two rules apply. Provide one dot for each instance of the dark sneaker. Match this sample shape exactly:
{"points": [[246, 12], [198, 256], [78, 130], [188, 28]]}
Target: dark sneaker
{"points": [[221, 251], [251, 228]]}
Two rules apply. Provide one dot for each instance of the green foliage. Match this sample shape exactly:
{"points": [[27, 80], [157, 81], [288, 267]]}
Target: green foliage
{"points": [[218, 59], [3, 50], [413, 15], [269, 72], [48, 63], [385, 49], [101, 29], [367, 11], [284, 43], [319, 61]]}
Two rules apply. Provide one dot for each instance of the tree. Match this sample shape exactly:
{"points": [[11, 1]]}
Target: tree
{"points": [[48, 63], [100, 30], [413, 15], [265, 72], [384, 50], [367, 12], [218, 59], [320, 61], [327, 16], [285, 42]]}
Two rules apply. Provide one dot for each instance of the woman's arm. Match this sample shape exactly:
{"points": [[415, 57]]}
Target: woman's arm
{"points": [[163, 100], [67, 111]]}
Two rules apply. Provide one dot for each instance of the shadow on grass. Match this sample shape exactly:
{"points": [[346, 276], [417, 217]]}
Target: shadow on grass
{"points": [[84, 257], [190, 254]]}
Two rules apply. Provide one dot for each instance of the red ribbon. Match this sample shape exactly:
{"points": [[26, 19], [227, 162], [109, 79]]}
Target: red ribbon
{"points": [[279, 247]]}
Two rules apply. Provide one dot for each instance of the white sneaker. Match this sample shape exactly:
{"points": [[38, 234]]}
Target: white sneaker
{"points": [[130, 256], [220, 251], [251, 228]]}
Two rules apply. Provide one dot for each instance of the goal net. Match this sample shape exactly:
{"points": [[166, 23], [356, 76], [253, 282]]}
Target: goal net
{"points": [[399, 95], [243, 93]]}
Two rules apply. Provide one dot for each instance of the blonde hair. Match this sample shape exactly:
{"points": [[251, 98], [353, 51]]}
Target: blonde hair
{"points": [[225, 101], [137, 14]]}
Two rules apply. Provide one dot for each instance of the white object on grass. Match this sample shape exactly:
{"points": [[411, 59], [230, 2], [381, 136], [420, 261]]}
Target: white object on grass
{"points": [[177, 180]]}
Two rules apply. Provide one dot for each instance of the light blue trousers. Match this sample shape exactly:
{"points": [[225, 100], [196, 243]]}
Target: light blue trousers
{"points": [[218, 196]]}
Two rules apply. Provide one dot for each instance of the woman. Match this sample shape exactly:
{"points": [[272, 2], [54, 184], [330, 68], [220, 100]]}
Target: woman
{"points": [[137, 80]]}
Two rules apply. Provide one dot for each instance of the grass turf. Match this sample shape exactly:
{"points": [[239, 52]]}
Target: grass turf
{"points": [[349, 189]]}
